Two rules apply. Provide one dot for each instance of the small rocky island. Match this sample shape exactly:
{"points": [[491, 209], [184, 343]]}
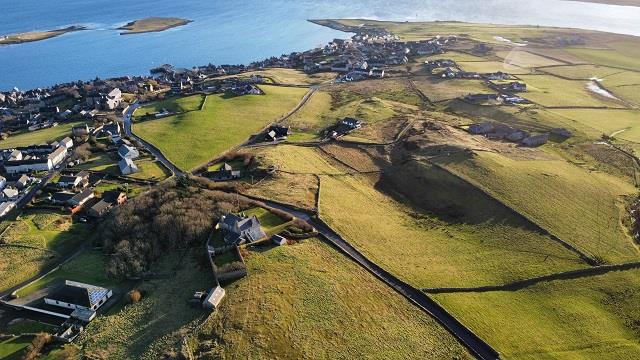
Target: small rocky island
{"points": [[152, 24], [36, 35]]}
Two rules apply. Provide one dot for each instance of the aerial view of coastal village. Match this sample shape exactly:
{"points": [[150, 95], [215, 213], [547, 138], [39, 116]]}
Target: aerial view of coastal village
{"points": [[411, 179]]}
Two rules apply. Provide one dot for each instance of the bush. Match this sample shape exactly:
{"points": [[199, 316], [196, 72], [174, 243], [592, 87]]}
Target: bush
{"points": [[134, 296], [36, 346]]}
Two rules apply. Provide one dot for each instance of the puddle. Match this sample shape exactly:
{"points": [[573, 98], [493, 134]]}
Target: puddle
{"points": [[594, 87]]}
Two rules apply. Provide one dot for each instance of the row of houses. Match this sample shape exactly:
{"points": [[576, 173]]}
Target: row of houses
{"points": [[495, 131], [36, 158]]}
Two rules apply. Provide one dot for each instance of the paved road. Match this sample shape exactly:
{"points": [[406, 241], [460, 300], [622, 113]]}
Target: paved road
{"points": [[152, 149], [475, 344]]}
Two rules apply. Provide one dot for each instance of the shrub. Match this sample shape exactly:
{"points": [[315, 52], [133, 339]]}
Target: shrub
{"points": [[134, 296], [36, 346]]}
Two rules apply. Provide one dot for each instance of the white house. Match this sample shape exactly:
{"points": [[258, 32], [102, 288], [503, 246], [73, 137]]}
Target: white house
{"points": [[25, 166], [6, 207], [213, 299], [10, 193], [58, 155], [67, 143], [127, 166], [76, 295], [114, 98]]}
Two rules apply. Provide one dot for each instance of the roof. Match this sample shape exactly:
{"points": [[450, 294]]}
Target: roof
{"points": [[88, 192], [125, 163], [243, 228], [57, 152], [214, 297], [62, 196], [101, 206], [68, 179], [126, 151], [79, 294]]}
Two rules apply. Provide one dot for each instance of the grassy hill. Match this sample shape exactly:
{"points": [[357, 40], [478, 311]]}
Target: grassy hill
{"points": [[581, 207], [587, 318], [308, 301]]}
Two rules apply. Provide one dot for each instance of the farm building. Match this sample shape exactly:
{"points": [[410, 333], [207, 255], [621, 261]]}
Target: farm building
{"points": [[225, 173], [279, 240], [536, 140], [277, 133], [76, 295], [483, 128], [214, 298], [6, 207]]}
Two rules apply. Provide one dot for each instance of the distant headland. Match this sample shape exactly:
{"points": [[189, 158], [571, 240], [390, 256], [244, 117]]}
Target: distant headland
{"points": [[152, 24]]}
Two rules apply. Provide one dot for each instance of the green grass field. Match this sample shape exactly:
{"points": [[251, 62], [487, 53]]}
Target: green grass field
{"points": [[192, 139], [552, 91], [583, 72], [12, 348], [622, 124], [619, 54], [35, 240], [88, 267], [172, 104], [39, 136], [492, 66], [422, 249], [308, 301], [438, 90], [588, 318], [159, 322], [271, 223], [581, 207], [524, 59]]}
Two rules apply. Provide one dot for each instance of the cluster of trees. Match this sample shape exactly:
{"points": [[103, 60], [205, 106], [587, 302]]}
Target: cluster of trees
{"points": [[173, 216]]}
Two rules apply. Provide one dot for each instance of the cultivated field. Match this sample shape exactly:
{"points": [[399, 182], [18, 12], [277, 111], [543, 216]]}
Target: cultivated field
{"points": [[438, 90], [193, 138], [308, 301]]}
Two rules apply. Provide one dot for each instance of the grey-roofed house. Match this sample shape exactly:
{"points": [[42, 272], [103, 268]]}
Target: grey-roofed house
{"points": [[81, 197], [128, 152], [127, 167], [225, 173], [76, 295], [239, 230]]}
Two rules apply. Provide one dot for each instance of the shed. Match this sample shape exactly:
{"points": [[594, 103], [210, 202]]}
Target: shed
{"points": [[279, 240], [214, 298]]}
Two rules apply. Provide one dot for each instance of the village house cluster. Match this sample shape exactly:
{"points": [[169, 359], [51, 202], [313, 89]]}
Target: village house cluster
{"points": [[504, 84]]}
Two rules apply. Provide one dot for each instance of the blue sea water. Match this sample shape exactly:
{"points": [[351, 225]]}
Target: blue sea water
{"points": [[226, 31]]}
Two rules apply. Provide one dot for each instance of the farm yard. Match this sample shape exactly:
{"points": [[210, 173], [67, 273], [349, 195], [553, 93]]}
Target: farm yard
{"points": [[191, 139]]}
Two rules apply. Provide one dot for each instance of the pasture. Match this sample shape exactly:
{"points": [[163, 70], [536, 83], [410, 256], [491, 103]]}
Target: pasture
{"points": [[305, 293], [191, 139]]}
